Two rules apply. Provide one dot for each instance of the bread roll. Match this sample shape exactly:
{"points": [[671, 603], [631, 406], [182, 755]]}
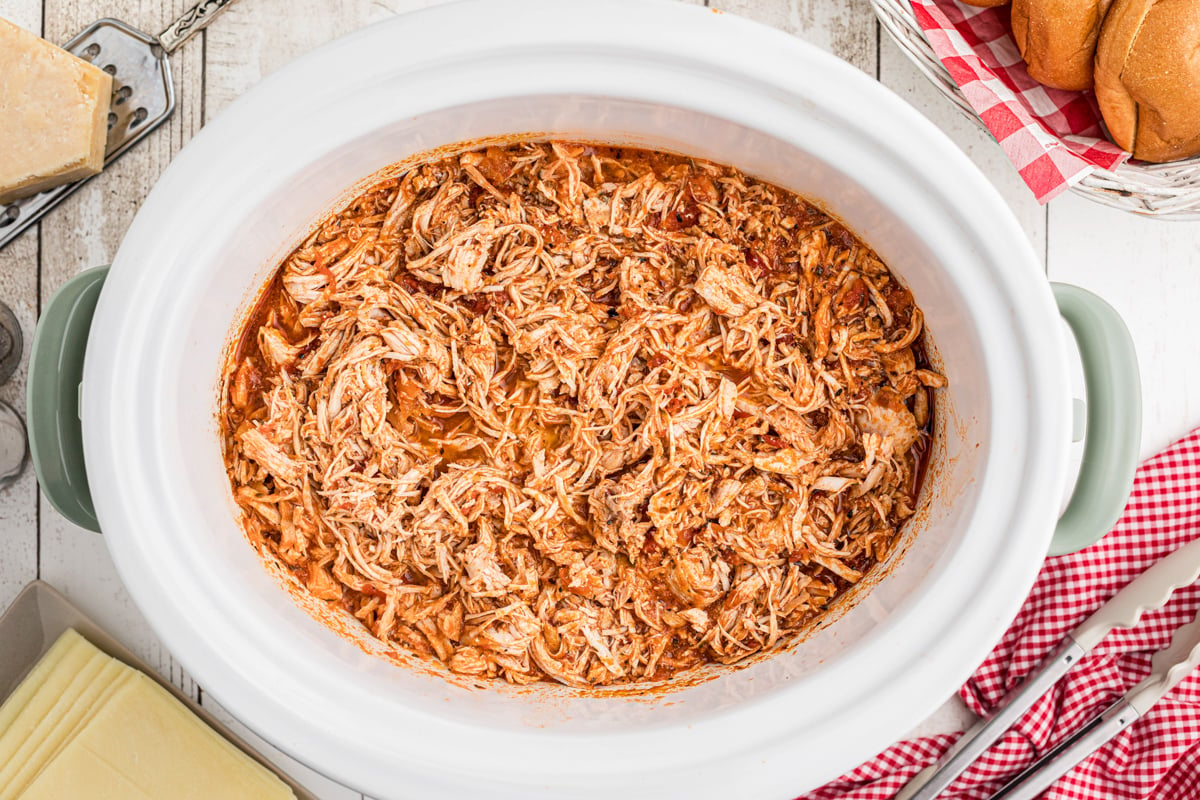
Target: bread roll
{"points": [[1057, 39], [985, 3], [1148, 77]]}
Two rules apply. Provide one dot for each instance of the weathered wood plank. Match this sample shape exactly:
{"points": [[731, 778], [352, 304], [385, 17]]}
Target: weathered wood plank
{"points": [[248, 44], [19, 290], [26, 13], [85, 232], [1149, 270], [846, 29], [19, 502]]}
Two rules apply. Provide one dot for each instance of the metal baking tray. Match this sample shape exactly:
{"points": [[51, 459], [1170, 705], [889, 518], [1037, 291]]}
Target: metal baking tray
{"points": [[40, 615]]}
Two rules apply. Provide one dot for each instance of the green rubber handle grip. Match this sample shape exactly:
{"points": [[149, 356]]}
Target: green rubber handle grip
{"points": [[52, 397], [1114, 419]]}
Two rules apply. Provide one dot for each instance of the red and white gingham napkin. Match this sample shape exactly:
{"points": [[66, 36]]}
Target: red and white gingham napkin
{"points": [[1053, 137], [1158, 757]]}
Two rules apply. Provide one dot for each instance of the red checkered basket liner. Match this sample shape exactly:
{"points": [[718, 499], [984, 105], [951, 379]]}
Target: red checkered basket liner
{"points": [[1158, 757], [1053, 137]]}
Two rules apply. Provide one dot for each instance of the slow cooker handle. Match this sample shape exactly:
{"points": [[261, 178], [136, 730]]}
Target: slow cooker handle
{"points": [[52, 397], [1114, 419]]}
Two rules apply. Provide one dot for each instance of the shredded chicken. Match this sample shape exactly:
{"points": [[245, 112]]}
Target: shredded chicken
{"points": [[568, 412]]}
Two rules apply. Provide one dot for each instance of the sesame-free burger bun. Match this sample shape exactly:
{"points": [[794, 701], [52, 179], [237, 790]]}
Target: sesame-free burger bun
{"points": [[1057, 39], [1148, 77]]}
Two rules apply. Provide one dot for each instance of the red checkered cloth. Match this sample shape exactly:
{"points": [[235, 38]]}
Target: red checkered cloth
{"points": [[1053, 137], [1158, 757]]}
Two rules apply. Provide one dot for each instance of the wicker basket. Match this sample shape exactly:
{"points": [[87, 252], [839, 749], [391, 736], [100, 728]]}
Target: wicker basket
{"points": [[1168, 191]]}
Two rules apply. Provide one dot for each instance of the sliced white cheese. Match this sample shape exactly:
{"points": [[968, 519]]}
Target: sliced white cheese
{"points": [[145, 739], [64, 777], [51, 704], [83, 724], [53, 114], [58, 729], [71, 650]]}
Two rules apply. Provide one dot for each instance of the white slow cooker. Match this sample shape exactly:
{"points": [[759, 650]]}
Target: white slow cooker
{"points": [[682, 78]]}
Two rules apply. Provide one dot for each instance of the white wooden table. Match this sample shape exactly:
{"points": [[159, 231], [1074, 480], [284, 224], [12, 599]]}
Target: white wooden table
{"points": [[1149, 270]]}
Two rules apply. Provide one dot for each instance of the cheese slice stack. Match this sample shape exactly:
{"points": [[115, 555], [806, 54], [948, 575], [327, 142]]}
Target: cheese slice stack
{"points": [[84, 725], [53, 114]]}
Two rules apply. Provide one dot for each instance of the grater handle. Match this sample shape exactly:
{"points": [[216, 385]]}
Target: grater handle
{"points": [[191, 22]]}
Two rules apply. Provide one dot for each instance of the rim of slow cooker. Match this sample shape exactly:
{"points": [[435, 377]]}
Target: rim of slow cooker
{"points": [[108, 418]]}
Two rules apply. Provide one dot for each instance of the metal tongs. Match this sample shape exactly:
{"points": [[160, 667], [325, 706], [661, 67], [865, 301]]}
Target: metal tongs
{"points": [[1148, 591]]}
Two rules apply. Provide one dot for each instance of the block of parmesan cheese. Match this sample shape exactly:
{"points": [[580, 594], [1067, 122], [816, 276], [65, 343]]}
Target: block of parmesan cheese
{"points": [[53, 114], [83, 724]]}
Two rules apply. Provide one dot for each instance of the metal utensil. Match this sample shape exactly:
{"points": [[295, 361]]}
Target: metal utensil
{"points": [[13, 446], [1148, 591], [143, 95], [1167, 668]]}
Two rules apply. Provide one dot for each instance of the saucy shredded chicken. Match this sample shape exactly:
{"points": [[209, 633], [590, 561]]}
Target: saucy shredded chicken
{"points": [[570, 412]]}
